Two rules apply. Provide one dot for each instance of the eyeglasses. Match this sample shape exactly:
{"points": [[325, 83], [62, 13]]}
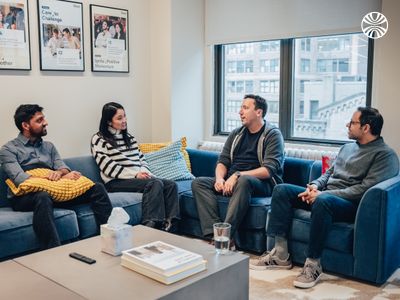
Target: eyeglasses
{"points": [[353, 122]]}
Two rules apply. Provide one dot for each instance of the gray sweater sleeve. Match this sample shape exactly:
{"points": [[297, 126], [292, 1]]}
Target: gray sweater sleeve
{"points": [[322, 181], [384, 166], [225, 156], [274, 153]]}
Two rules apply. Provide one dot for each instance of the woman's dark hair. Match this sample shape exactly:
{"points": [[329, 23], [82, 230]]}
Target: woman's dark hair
{"points": [[372, 117], [25, 113], [109, 111]]}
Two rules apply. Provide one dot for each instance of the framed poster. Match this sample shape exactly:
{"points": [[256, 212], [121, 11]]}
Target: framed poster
{"points": [[61, 35], [15, 51], [109, 39]]}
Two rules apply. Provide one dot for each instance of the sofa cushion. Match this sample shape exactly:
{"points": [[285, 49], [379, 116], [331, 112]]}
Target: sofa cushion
{"points": [[340, 237], [152, 147], [169, 163], [203, 162], [131, 202], [17, 235], [60, 191], [297, 171], [85, 165], [184, 186]]}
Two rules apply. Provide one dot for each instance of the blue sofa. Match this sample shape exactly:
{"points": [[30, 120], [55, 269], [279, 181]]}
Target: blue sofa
{"points": [[367, 250]]}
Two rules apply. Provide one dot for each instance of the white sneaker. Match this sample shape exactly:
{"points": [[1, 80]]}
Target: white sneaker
{"points": [[309, 276], [269, 261]]}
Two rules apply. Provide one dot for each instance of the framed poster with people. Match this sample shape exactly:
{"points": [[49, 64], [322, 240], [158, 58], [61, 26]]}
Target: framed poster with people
{"points": [[61, 35], [109, 39], [15, 51]]}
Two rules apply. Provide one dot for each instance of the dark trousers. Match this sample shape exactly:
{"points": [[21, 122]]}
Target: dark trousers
{"points": [[325, 210], [207, 205], [160, 196], [42, 205]]}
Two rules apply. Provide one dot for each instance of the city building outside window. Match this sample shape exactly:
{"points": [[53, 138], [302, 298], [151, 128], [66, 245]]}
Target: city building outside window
{"points": [[329, 78]]}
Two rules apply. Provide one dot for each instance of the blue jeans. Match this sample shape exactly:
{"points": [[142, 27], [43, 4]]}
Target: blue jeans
{"points": [[325, 210]]}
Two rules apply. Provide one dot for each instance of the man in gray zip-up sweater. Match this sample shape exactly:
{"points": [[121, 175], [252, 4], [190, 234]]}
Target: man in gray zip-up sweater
{"points": [[251, 164], [333, 197]]}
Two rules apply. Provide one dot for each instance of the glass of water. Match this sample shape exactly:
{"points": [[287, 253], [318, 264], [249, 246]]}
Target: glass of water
{"points": [[222, 233]]}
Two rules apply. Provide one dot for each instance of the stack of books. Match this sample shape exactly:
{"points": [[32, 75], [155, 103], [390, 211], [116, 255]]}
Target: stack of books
{"points": [[163, 262]]}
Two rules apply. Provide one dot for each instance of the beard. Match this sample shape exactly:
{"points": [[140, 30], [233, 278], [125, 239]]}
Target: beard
{"points": [[38, 133]]}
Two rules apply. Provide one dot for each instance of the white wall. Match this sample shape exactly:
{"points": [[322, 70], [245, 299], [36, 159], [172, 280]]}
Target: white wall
{"points": [[177, 67], [187, 70], [73, 100], [385, 91], [160, 15]]}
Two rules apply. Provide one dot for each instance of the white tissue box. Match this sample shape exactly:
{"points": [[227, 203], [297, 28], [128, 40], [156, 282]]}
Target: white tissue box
{"points": [[114, 241]]}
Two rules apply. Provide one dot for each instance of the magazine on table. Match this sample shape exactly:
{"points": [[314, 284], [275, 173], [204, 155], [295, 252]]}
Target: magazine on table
{"points": [[162, 258]]}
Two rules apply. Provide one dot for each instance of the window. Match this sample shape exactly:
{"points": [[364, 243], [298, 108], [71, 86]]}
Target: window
{"points": [[273, 107], [311, 98], [333, 65], [269, 46], [240, 86], [246, 48], [269, 86], [240, 66], [269, 65], [335, 43], [327, 97], [302, 85], [306, 44], [301, 107], [249, 87], [305, 65], [234, 106], [314, 105]]}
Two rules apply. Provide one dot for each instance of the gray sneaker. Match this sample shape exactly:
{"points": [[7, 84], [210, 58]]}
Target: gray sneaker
{"points": [[309, 276], [269, 261]]}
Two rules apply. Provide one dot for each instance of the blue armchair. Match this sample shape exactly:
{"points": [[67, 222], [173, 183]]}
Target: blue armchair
{"points": [[369, 249]]}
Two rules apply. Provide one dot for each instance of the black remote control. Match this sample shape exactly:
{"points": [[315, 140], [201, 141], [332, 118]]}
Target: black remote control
{"points": [[83, 258]]}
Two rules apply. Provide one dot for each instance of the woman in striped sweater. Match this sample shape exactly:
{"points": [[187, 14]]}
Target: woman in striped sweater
{"points": [[123, 168]]}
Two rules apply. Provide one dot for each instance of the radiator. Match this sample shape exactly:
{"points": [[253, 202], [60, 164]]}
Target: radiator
{"points": [[313, 154]]}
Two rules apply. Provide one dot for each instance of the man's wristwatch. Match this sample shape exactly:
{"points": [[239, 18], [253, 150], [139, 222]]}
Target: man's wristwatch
{"points": [[237, 174]]}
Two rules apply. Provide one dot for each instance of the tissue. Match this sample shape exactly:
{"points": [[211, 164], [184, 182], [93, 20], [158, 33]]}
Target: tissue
{"points": [[118, 218], [116, 236]]}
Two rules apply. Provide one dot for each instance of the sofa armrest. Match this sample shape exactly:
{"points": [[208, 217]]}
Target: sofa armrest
{"points": [[377, 232], [203, 162]]}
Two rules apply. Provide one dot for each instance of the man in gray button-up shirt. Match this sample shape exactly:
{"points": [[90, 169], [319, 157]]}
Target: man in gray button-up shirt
{"points": [[29, 151]]}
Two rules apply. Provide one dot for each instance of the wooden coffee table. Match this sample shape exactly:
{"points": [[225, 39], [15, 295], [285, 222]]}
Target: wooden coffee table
{"points": [[226, 277]]}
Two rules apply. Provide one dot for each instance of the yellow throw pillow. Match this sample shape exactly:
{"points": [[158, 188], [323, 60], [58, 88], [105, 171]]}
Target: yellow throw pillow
{"points": [[60, 190], [152, 147]]}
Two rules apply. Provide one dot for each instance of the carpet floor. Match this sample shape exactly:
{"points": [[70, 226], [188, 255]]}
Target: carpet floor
{"points": [[278, 284]]}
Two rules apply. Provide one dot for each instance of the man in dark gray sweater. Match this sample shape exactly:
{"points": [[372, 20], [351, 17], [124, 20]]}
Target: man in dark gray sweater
{"points": [[250, 164], [333, 197]]}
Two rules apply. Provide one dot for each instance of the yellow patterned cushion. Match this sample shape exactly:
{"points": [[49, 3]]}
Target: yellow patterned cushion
{"points": [[60, 190], [152, 147]]}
